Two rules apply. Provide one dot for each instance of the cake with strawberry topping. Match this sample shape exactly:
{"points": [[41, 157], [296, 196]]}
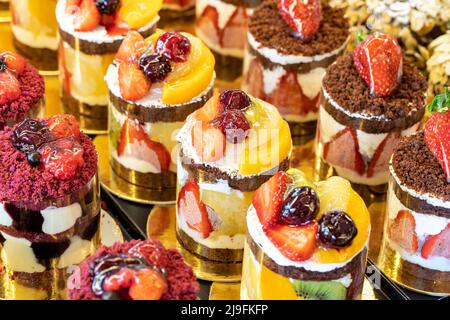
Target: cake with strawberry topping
{"points": [[154, 84], [35, 32], [305, 240], [222, 25], [91, 33], [49, 205], [290, 44], [228, 148], [21, 90], [134, 270], [416, 244], [370, 99]]}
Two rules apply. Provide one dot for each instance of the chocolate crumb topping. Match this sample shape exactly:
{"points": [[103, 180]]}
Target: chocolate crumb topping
{"points": [[418, 169], [268, 28]]}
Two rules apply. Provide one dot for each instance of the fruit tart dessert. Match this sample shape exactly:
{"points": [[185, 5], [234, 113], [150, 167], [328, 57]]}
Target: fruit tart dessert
{"points": [[222, 25], [290, 44], [49, 205], [154, 84], [228, 149], [91, 33], [21, 90], [134, 270], [370, 99], [416, 244], [305, 240], [35, 32]]}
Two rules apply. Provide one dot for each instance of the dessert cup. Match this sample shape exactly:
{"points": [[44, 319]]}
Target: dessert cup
{"points": [[283, 259], [49, 206], [287, 71], [35, 32], [86, 53], [217, 175]]}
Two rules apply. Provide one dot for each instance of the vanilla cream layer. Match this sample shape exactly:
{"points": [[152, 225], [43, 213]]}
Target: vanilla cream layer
{"points": [[30, 39]]}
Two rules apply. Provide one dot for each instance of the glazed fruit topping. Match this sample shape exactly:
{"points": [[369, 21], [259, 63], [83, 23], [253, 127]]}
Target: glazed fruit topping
{"points": [[233, 124], [133, 83], [65, 125], [300, 207], [379, 61], [12, 61], [155, 67], [107, 7], [174, 46], [336, 229], [11, 65], [132, 47], [208, 141], [302, 16], [234, 99], [87, 16], [30, 135]]}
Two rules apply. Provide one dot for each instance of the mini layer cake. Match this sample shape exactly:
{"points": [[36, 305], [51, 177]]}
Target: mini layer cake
{"points": [[21, 90], [49, 205], [285, 64], [416, 246], [134, 270], [35, 32], [153, 86], [91, 32], [305, 240], [362, 117], [228, 149], [222, 25]]}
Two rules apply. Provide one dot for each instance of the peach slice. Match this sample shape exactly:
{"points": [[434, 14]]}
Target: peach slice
{"points": [[138, 13]]}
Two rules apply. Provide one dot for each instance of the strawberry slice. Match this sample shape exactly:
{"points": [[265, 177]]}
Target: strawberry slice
{"points": [[148, 284], [234, 34], [302, 16], [268, 199], [132, 47], [379, 61], [72, 6], [133, 83], [208, 24], [135, 142], [14, 62], [343, 151], [208, 141], [87, 16], [437, 245], [209, 111], [9, 87], [295, 243], [193, 210], [255, 79], [64, 125], [437, 138], [402, 230], [381, 157]]}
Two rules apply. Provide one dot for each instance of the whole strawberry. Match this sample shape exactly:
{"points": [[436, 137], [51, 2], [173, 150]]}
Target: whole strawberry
{"points": [[437, 130], [379, 61], [302, 16]]}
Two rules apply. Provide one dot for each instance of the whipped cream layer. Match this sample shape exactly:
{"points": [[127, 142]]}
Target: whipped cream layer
{"points": [[33, 40]]}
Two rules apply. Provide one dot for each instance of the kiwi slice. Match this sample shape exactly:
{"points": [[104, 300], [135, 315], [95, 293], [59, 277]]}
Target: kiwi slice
{"points": [[299, 178], [320, 290]]}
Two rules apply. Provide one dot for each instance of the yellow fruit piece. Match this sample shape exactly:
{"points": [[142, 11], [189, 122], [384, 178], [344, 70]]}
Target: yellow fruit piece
{"points": [[44, 12], [138, 13], [276, 287], [251, 273]]}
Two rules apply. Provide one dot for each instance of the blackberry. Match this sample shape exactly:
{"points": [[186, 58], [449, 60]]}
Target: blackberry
{"points": [[2, 64], [107, 7], [155, 67]]}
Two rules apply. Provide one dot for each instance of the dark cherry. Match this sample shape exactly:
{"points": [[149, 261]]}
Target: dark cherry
{"points": [[107, 7], [174, 46], [233, 124], [3, 65], [30, 135], [34, 158], [300, 207], [336, 229], [155, 67], [111, 295], [234, 99]]}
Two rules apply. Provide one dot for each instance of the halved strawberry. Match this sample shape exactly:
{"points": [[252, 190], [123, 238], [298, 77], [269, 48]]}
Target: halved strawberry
{"points": [[268, 199], [148, 284], [437, 245], [120, 280], [87, 16], [302, 16], [132, 47], [9, 87], [379, 61], [208, 24], [234, 34], [437, 138], [14, 62], [209, 111], [381, 157], [193, 209], [343, 151], [208, 141], [295, 243], [402, 230], [133, 83], [64, 125], [255, 79], [72, 6]]}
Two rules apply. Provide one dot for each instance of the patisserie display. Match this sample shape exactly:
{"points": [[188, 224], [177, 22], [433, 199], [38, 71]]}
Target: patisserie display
{"points": [[91, 32], [290, 45], [35, 32], [415, 250], [228, 148], [21, 90], [153, 86], [134, 270], [370, 99], [305, 240], [222, 25], [49, 206]]}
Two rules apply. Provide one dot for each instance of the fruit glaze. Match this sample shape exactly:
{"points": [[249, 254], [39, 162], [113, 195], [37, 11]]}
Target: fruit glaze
{"points": [[305, 240], [49, 205], [154, 84], [228, 149], [91, 32]]}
